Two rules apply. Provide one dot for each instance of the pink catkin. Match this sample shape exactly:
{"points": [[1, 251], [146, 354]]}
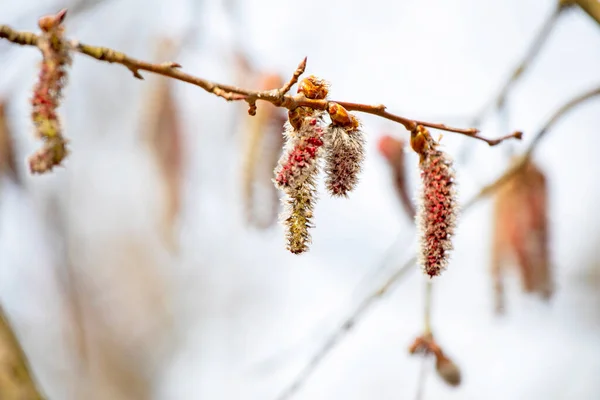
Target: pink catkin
{"points": [[295, 175], [301, 155], [47, 94], [436, 215]]}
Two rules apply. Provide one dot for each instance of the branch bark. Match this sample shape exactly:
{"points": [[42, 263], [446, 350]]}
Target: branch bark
{"points": [[16, 381], [277, 97]]}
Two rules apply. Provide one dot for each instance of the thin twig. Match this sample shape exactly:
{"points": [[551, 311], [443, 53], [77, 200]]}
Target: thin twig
{"points": [[395, 276], [278, 97], [516, 168], [344, 328], [422, 379], [530, 55], [427, 307], [499, 97]]}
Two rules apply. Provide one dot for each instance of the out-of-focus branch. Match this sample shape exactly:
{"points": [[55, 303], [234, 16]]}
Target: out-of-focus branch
{"points": [[278, 97], [513, 170], [344, 328], [499, 98], [16, 381], [538, 42], [427, 307], [398, 274], [591, 7]]}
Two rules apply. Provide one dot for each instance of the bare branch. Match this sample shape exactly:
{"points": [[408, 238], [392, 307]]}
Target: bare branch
{"points": [[499, 98], [278, 97], [530, 55]]}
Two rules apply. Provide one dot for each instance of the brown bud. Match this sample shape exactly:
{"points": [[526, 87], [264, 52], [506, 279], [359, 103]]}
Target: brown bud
{"points": [[313, 88], [50, 22], [447, 370], [420, 141], [341, 117], [297, 115]]}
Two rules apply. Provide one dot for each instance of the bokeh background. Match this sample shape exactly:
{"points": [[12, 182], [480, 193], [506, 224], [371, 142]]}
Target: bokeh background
{"points": [[106, 308]]}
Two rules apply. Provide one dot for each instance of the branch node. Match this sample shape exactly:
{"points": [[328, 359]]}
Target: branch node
{"points": [[135, 72], [252, 107]]}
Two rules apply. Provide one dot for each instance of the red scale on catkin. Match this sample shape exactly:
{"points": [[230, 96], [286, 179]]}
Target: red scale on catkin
{"points": [[301, 155], [437, 210]]}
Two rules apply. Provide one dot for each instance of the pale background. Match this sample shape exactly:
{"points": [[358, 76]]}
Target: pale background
{"points": [[235, 316]]}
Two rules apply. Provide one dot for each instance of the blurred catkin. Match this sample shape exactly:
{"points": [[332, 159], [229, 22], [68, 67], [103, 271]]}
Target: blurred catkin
{"points": [[393, 151], [521, 233], [261, 150], [8, 166], [161, 130], [47, 94]]}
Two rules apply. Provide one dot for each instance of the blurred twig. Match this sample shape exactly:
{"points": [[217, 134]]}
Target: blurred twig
{"points": [[16, 380], [396, 275], [556, 116], [498, 99], [422, 379]]}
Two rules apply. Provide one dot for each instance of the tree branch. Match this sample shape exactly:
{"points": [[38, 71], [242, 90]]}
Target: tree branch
{"points": [[400, 273], [538, 42], [277, 97], [16, 379], [499, 98], [516, 168]]}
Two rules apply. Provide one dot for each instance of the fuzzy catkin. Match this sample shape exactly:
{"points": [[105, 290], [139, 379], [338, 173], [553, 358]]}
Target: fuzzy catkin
{"points": [[295, 175], [436, 214], [298, 215], [47, 94], [344, 156]]}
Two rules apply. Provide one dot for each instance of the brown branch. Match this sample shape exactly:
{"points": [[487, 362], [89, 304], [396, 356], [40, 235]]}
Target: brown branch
{"points": [[277, 97], [16, 379], [403, 271], [591, 7]]}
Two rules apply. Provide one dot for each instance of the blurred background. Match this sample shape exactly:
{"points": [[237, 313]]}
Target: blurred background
{"points": [[152, 266]]}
